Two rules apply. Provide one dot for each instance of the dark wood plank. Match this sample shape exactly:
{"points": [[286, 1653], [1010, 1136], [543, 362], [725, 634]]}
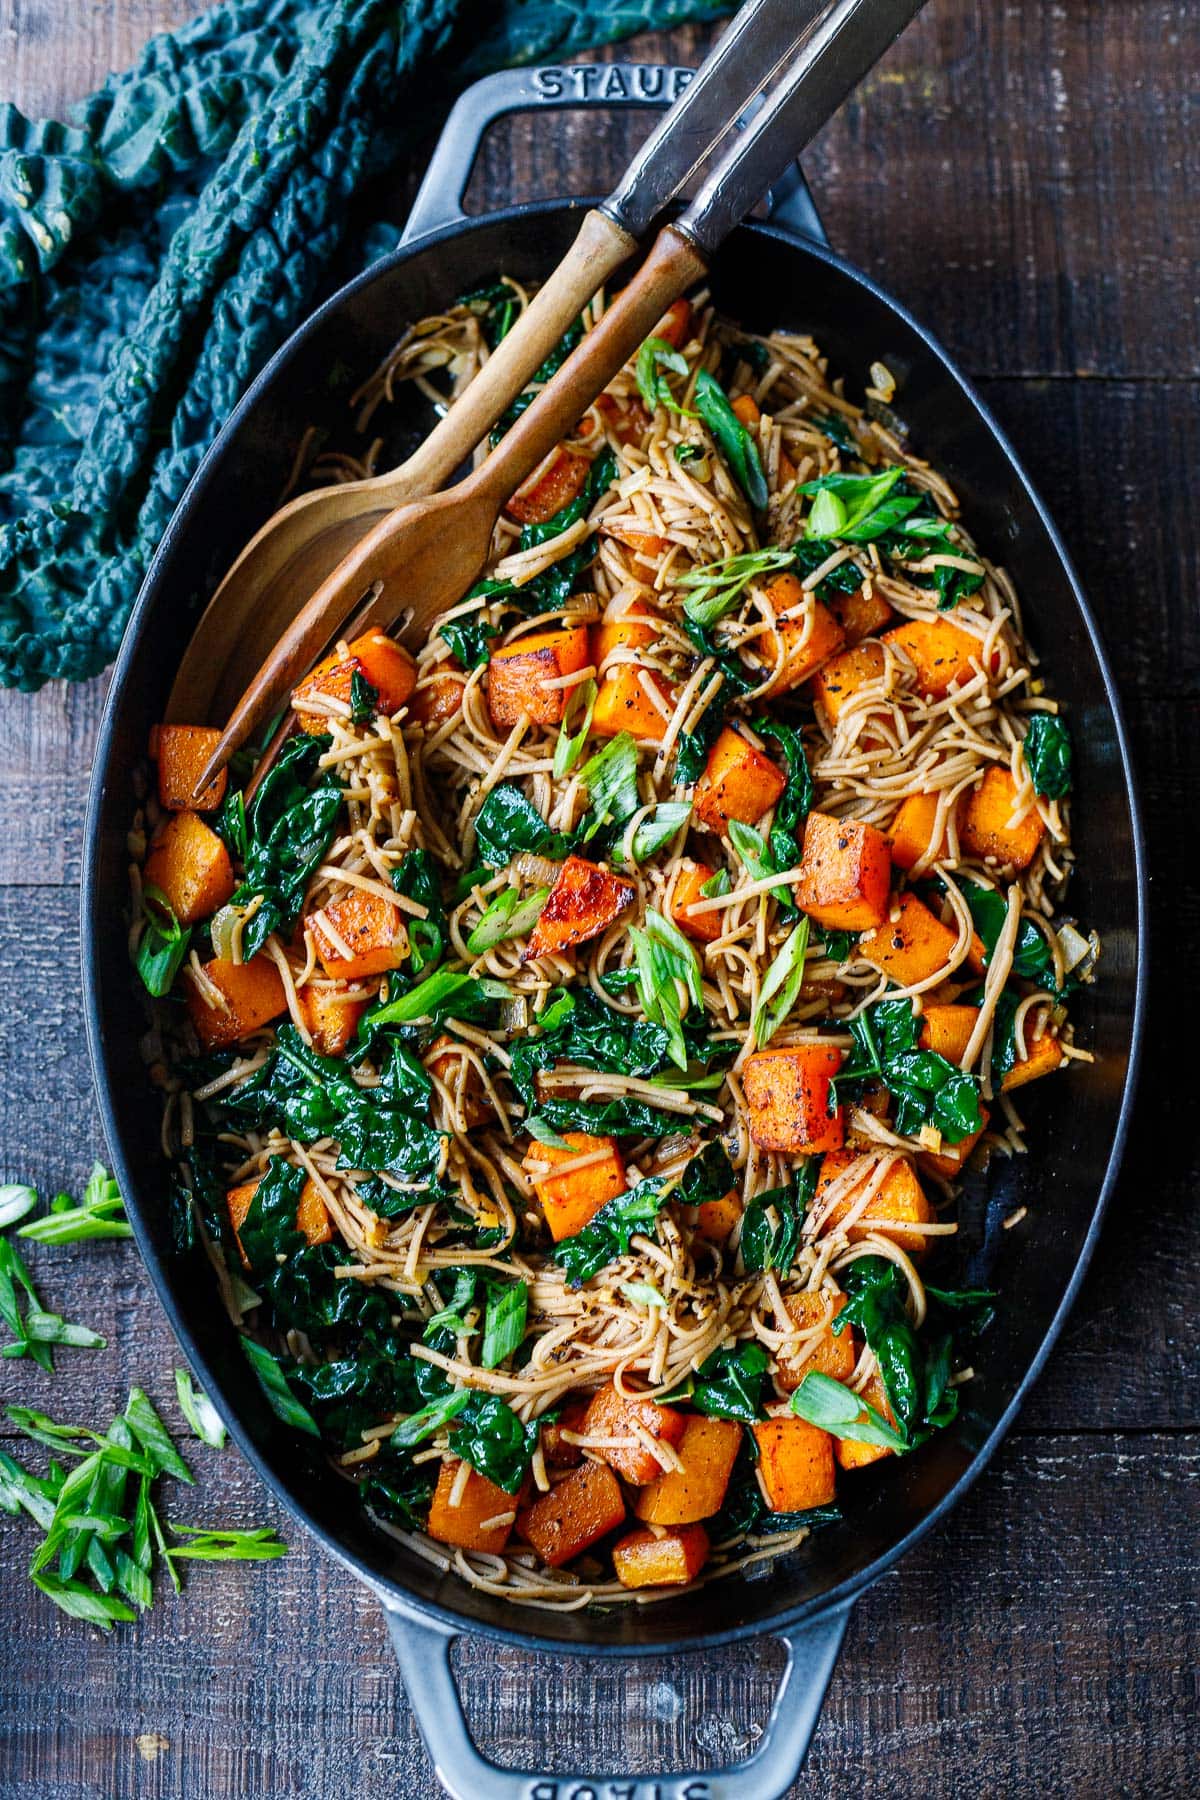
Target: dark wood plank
{"points": [[1048, 1624]]}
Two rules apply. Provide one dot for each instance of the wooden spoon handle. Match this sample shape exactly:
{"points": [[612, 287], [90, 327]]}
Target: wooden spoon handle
{"points": [[671, 267], [600, 248]]}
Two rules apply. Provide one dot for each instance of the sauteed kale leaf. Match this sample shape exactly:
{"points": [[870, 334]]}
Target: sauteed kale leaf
{"points": [[549, 590], [288, 828], [380, 1127], [708, 1176], [929, 1089]]}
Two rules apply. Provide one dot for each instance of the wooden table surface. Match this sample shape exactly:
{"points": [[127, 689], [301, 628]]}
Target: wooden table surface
{"points": [[1025, 179]]}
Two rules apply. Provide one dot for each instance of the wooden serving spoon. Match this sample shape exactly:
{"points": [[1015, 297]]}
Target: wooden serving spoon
{"points": [[429, 552], [302, 543]]}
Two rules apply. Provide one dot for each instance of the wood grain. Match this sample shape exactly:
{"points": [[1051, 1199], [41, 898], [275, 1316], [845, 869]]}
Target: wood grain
{"points": [[1025, 180]]}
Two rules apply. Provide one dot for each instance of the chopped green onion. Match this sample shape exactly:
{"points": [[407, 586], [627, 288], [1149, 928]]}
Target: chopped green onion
{"points": [[658, 828], [573, 732], [545, 1134], [163, 944], [199, 1411], [504, 1322], [16, 1201], [783, 978], [717, 587], [508, 916]]}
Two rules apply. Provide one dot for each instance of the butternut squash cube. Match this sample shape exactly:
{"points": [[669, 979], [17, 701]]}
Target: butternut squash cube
{"points": [[787, 1099], [560, 481], [853, 1455], [911, 832], [739, 782], [795, 1464], [747, 409], [941, 654], [845, 873], [579, 1510], [899, 1204], [628, 421], [612, 1415], [708, 1450], [946, 1030], [860, 615], [705, 926], [802, 655], [191, 866], [376, 657], [518, 674], [331, 1015], [644, 544], [181, 752], [253, 995], [985, 831], [556, 1451], [715, 1219], [951, 1159], [312, 1217], [843, 678], [622, 704], [583, 902], [469, 1525], [911, 947], [1043, 1056], [626, 631], [459, 1074], [675, 326], [829, 1355], [643, 1560], [369, 926], [439, 694], [569, 1200]]}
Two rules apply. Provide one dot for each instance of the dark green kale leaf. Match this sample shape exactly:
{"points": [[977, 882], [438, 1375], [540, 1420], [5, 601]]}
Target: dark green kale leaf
{"points": [[810, 553], [548, 369], [1031, 955], [915, 1367], [729, 1383], [467, 638], [364, 698], [1047, 751], [766, 1246], [497, 308], [929, 1089], [417, 878], [607, 1234], [795, 802], [289, 826], [593, 1035], [488, 1434], [507, 823]]}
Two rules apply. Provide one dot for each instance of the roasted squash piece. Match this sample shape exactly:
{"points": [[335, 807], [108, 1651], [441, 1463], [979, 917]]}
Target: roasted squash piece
{"points": [[911, 947], [518, 674], [331, 1015], [910, 833], [253, 994], [860, 615], [583, 902], [985, 831], [853, 1455], [560, 481], [675, 326], [470, 1525], [312, 1217], [643, 543], [378, 658], [739, 782], [844, 677], [1043, 1056], [368, 925], [460, 1075], [624, 631], [845, 873], [622, 704], [191, 866], [708, 1450], [901, 1201], [612, 1415], [181, 751], [947, 1030], [579, 1510], [644, 1559], [705, 926], [569, 1200], [795, 1464], [439, 694], [747, 409], [787, 1099], [556, 1451], [950, 1160], [802, 654], [941, 653], [715, 1219], [829, 1355], [627, 420]]}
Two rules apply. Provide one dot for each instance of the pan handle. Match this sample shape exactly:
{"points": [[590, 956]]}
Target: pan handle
{"points": [[423, 1648], [440, 195]]}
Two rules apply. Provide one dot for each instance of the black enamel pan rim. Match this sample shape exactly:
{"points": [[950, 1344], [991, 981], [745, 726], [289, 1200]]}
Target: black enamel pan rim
{"points": [[390, 1590]]}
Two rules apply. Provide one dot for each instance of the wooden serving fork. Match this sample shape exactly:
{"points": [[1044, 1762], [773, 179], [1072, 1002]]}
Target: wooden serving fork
{"points": [[430, 551], [305, 540]]}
